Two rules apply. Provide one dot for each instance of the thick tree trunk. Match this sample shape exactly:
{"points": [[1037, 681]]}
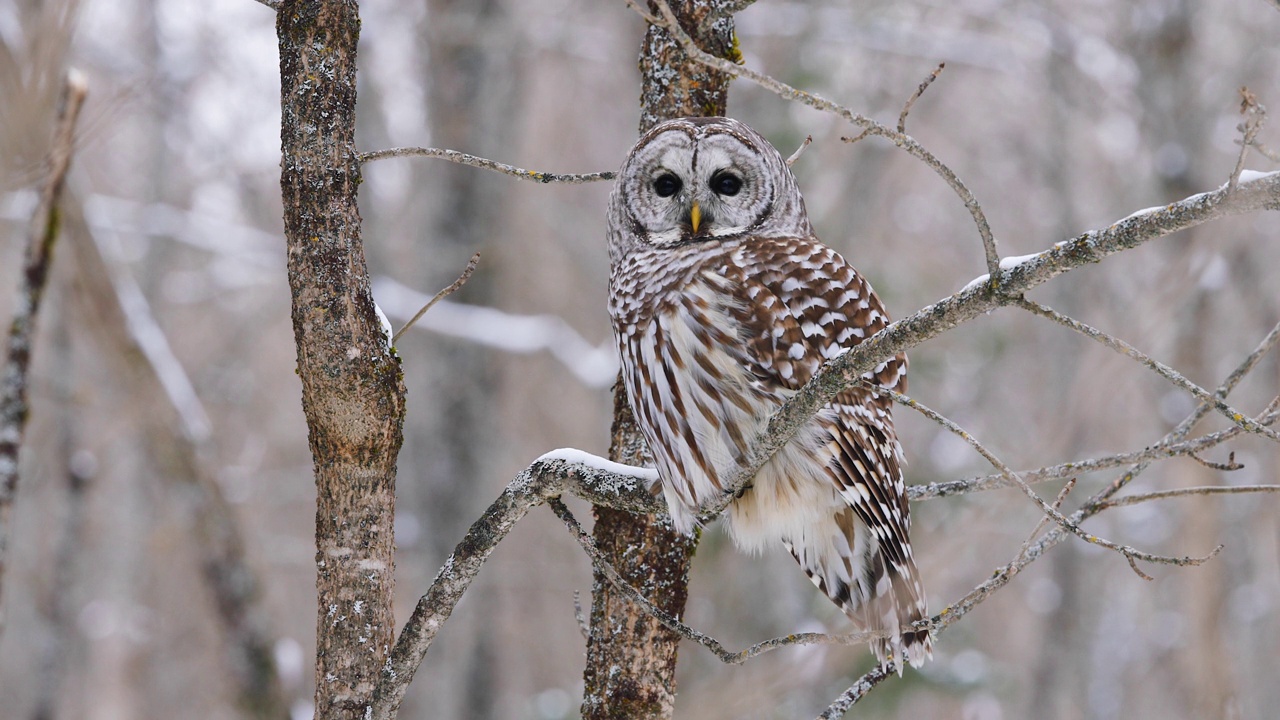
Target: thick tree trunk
{"points": [[631, 658], [352, 391]]}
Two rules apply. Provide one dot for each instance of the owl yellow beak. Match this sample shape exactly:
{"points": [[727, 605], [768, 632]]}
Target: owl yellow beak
{"points": [[695, 216]]}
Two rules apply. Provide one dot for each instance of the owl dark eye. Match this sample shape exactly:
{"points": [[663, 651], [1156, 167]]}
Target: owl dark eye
{"points": [[667, 185], [726, 183]]}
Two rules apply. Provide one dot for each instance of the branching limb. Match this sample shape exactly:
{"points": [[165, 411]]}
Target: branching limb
{"points": [[1130, 553], [551, 475], [1045, 519], [451, 289], [1164, 371], [45, 222], [1183, 492], [486, 164], [870, 127], [1170, 446]]}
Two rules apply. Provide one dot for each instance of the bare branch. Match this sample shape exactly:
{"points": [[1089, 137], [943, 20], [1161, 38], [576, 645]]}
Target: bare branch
{"points": [[37, 259], [452, 288], [1183, 492], [551, 475], [1171, 446], [273, 4], [871, 127], [484, 163], [1164, 371], [1050, 511], [924, 85]]}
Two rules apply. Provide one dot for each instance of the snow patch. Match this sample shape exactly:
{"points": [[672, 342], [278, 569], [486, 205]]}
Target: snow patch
{"points": [[1008, 263], [1140, 213], [595, 462], [386, 324], [1251, 175], [980, 280]]}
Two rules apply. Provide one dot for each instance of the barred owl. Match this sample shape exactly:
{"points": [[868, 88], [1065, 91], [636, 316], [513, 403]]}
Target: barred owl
{"points": [[723, 304]]}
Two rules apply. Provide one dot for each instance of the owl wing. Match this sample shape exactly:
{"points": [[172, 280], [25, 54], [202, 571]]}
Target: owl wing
{"points": [[804, 304]]}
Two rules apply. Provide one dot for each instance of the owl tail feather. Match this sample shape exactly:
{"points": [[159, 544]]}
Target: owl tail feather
{"points": [[879, 593]]}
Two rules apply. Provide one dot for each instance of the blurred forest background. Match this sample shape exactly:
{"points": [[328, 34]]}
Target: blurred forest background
{"points": [[1060, 115]]}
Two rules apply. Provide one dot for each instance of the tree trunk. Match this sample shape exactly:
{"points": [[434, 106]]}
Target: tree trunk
{"points": [[352, 391], [631, 658]]}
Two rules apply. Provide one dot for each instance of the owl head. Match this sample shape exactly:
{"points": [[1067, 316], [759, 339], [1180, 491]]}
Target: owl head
{"points": [[698, 180]]}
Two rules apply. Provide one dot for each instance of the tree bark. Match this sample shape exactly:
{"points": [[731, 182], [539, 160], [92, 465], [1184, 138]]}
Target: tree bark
{"points": [[631, 658], [352, 390]]}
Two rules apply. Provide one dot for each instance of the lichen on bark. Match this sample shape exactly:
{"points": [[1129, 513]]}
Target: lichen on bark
{"points": [[353, 394]]}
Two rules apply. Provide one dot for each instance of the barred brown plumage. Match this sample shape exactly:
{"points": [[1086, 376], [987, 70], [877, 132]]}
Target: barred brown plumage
{"points": [[723, 305]]}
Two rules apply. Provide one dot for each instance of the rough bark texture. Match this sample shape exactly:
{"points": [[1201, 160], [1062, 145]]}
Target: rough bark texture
{"points": [[631, 658], [352, 391]]}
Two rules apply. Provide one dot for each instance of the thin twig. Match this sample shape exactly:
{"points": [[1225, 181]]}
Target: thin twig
{"points": [[924, 85], [1124, 500], [1255, 115], [800, 150], [452, 288], [602, 564], [787, 92], [1158, 451], [484, 163], [1164, 371], [273, 4], [43, 231], [1229, 466], [1045, 519]]}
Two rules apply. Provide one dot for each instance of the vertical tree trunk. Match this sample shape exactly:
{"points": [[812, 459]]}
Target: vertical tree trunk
{"points": [[352, 391], [631, 658]]}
